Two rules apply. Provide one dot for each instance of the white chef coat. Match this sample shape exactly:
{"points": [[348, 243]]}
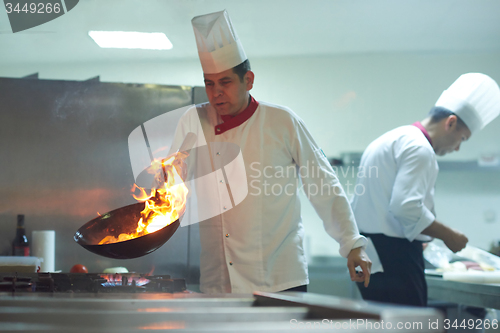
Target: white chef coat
{"points": [[258, 244], [395, 185]]}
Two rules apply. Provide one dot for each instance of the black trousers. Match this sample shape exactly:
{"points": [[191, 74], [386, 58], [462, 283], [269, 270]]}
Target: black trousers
{"points": [[403, 279]]}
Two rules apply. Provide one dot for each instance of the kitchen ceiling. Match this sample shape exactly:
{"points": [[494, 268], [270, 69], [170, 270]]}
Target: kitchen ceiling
{"points": [[268, 28]]}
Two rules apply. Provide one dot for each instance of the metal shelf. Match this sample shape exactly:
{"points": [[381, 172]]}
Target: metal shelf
{"points": [[466, 166], [472, 166]]}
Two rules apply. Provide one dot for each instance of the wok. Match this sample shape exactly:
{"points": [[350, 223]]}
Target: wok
{"points": [[124, 220], [116, 222]]}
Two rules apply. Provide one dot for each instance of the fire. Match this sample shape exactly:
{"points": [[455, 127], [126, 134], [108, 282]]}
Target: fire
{"points": [[163, 205], [116, 280]]}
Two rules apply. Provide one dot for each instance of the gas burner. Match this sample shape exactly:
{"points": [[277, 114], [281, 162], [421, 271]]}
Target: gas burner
{"points": [[122, 289], [17, 278], [92, 283], [15, 283], [15, 286], [127, 279], [160, 284], [45, 283]]}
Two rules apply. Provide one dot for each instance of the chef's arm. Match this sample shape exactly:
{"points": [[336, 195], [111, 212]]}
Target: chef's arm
{"points": [[454, 239]]}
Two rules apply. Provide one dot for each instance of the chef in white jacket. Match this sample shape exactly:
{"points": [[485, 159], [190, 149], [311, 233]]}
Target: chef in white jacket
{"points": [[395, 208], [257, 244]]}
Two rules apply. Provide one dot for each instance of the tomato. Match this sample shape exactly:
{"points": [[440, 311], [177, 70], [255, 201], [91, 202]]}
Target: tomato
{"points": [[78, 269]]}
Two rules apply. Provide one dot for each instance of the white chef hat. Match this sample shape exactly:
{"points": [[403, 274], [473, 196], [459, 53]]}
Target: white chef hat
{"points": [[474, 97], [219, 47]]}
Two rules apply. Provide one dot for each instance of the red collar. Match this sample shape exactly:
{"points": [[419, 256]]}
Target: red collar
{"points": [[231, 122], [422, 128]]}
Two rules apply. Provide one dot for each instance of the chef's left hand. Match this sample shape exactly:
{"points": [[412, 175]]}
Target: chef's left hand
{"points": [[358, 257]]}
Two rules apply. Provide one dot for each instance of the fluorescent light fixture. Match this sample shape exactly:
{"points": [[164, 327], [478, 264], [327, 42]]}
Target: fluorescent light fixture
{"points": [[131, 40]]}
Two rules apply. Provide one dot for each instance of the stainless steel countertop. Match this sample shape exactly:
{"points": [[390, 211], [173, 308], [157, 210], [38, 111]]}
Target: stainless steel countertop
{"points": [[193, 312]]}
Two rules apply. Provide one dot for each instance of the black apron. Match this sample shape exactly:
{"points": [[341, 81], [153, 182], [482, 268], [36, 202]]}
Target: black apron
{"points": [[403, 279]]}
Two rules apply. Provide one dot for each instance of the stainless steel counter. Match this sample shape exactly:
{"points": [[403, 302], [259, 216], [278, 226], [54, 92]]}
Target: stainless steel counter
{"points": [[192, 312], [472, 294]]}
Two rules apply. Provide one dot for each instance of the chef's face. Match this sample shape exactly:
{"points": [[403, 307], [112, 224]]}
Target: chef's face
{"points": [[227, 93], [454, 134]]}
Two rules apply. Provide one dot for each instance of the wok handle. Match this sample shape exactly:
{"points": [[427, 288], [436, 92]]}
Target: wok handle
{"points": [[188, 142]]}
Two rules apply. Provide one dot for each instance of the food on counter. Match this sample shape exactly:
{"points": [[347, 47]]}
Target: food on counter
{"points": [[469, 259], [115, 270], [78, 269], [464, 266], [473, 276]]}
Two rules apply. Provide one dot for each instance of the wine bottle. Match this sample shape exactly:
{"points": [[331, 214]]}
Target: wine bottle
{"points": [[20, 245]]}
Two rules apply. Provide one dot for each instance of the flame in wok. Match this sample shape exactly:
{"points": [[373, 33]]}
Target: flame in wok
{"points": [[163, 205]]}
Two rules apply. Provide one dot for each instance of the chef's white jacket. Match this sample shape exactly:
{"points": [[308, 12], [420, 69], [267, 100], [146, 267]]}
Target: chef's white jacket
{"points": [[258, 244], [394, 194]]}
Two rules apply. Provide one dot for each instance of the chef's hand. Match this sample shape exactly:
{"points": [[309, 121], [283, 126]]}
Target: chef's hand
{"points": [[180, 165], [455, 240], [358, 257]]}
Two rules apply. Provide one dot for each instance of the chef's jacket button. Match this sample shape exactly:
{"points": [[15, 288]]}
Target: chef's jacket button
{"points": [[225, 207], [231, 263], [221, 181], [218, 129], [218, 154], [227, 235]]}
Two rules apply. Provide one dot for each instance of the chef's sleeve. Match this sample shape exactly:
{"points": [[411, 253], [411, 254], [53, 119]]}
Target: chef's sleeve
{"points": [[324, 190], [415, 165]]}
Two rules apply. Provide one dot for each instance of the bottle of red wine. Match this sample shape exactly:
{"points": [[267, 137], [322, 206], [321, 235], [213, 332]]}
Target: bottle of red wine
{"points": [[20, 245]]}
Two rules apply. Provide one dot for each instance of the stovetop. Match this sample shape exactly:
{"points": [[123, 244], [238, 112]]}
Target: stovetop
{"points": [[133, 303], [62, 312], [91, 283]]}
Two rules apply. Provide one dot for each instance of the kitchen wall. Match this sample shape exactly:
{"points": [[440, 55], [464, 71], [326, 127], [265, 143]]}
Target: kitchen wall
{"points": [[65, 160], [347, 101]]}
